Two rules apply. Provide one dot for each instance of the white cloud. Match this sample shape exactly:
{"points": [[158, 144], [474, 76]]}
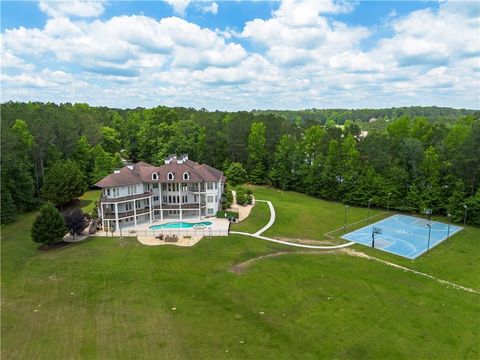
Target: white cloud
{"points": [[212, 8], [72, 8], [179, 6], [301, 58]]}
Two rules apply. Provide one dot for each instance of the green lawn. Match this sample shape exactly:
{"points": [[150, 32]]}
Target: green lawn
{"points": [[301, 216], [112, 298], [87, 200], [257, 219]]}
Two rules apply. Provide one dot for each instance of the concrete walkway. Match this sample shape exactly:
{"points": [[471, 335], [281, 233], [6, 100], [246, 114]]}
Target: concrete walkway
{"points": [[272, 218], [270, 223]]}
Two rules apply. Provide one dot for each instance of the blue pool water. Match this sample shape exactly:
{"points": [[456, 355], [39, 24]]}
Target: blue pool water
{"points": [[403, 235], [181, 225]]}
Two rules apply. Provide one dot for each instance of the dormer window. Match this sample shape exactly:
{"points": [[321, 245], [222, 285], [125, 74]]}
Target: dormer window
{"points": [[155, 176], [170, 176], [186, 176]]}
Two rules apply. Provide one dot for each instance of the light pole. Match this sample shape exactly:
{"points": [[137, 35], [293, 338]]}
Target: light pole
{"points": [[465, 217], [449, 220], [368, 211], [345, 223], [429, 232], [388, 201]]}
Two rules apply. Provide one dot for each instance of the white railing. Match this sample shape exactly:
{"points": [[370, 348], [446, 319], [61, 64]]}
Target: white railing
{"points": [[165, 232]]}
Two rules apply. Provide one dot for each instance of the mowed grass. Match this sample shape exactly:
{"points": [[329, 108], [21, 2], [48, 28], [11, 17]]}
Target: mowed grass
{"points": [[257, 219], [112, 298], [456, 260], [299, 216], [87, 200]]}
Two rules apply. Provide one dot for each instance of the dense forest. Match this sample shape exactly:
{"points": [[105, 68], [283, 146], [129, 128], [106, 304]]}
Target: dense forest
{"points": [[413, 158]]}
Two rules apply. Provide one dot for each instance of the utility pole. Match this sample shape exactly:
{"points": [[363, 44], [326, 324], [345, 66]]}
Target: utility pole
{"points": [[345, 222]]}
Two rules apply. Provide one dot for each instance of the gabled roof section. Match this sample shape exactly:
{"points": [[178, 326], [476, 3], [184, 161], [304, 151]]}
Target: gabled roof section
{"points": [[125, 176]]}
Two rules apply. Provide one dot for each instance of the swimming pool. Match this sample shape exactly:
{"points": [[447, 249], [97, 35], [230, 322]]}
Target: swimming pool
{"points": [[181, 225]]}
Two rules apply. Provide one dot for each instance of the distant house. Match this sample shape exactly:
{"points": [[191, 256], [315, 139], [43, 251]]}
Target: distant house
{"points": [[179, 189], [363, 134]]}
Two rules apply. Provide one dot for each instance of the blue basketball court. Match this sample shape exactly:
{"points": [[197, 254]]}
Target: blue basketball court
{"points": [[403, 235]]}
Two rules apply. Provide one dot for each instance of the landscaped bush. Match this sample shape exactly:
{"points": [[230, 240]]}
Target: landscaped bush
{"points": [[221, 214], [75, 221], [241, 196], [249, 199], [228, 198]]}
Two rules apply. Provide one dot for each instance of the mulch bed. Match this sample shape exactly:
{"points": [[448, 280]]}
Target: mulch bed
{"points": [[57, 245]]}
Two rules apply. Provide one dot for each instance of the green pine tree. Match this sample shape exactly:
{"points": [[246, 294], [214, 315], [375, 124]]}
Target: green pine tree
{"points": [[63, 183], [49, 226]]}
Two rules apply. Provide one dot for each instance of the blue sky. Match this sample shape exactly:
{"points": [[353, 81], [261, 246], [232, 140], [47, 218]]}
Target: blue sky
{"points": [[240, 55]]}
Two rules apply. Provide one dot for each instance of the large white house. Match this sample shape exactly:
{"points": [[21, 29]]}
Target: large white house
{"points": [[180, 189]]}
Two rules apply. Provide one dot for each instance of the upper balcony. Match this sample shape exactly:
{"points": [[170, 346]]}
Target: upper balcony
{"points": [[179, 206], [105, 199]]}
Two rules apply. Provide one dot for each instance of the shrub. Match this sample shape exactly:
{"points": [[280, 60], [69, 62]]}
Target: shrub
{"points": [[75, 221], [249, 199], [49, 226], [241, 196]]}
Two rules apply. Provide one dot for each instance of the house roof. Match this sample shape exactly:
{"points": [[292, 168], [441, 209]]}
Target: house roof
{"points": [[142, 172]]}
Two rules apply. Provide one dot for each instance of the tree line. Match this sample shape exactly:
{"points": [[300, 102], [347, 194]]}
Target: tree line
{"points": [[415, 158]]}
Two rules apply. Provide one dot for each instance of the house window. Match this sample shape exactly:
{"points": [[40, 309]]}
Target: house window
{"points": [[209, 186], [170, 176], [155, 186], [108, 192], [155, 198], [210, 211], [154, 176], [215, 186], [186, 176], [209, 199], [164, 187], [216, 198]]}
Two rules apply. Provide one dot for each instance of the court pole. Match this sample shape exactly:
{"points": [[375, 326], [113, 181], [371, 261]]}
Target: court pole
{"points": [[388, 201], [465, 217], [449, 220], [368, 211], [429, 232], [345, 222]]}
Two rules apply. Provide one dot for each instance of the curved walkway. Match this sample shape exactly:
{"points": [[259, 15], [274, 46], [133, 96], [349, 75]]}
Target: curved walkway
{"points": [[270, 223]]}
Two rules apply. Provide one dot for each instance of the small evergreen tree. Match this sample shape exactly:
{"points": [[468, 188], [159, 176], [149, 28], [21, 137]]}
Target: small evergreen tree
{"points": [[49, 226]]}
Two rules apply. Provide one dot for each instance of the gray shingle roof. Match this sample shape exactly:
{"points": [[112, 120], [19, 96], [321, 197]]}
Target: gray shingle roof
{"points": [[142, 172]]}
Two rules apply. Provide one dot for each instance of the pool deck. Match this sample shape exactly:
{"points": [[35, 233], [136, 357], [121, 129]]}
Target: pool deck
{"points": [[219, 227]]}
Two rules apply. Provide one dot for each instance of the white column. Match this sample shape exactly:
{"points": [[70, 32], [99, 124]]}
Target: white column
{"points": [[199, 203], [116, 217], [180, 198], [135, 212], [150, 208], [161, 200]]}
